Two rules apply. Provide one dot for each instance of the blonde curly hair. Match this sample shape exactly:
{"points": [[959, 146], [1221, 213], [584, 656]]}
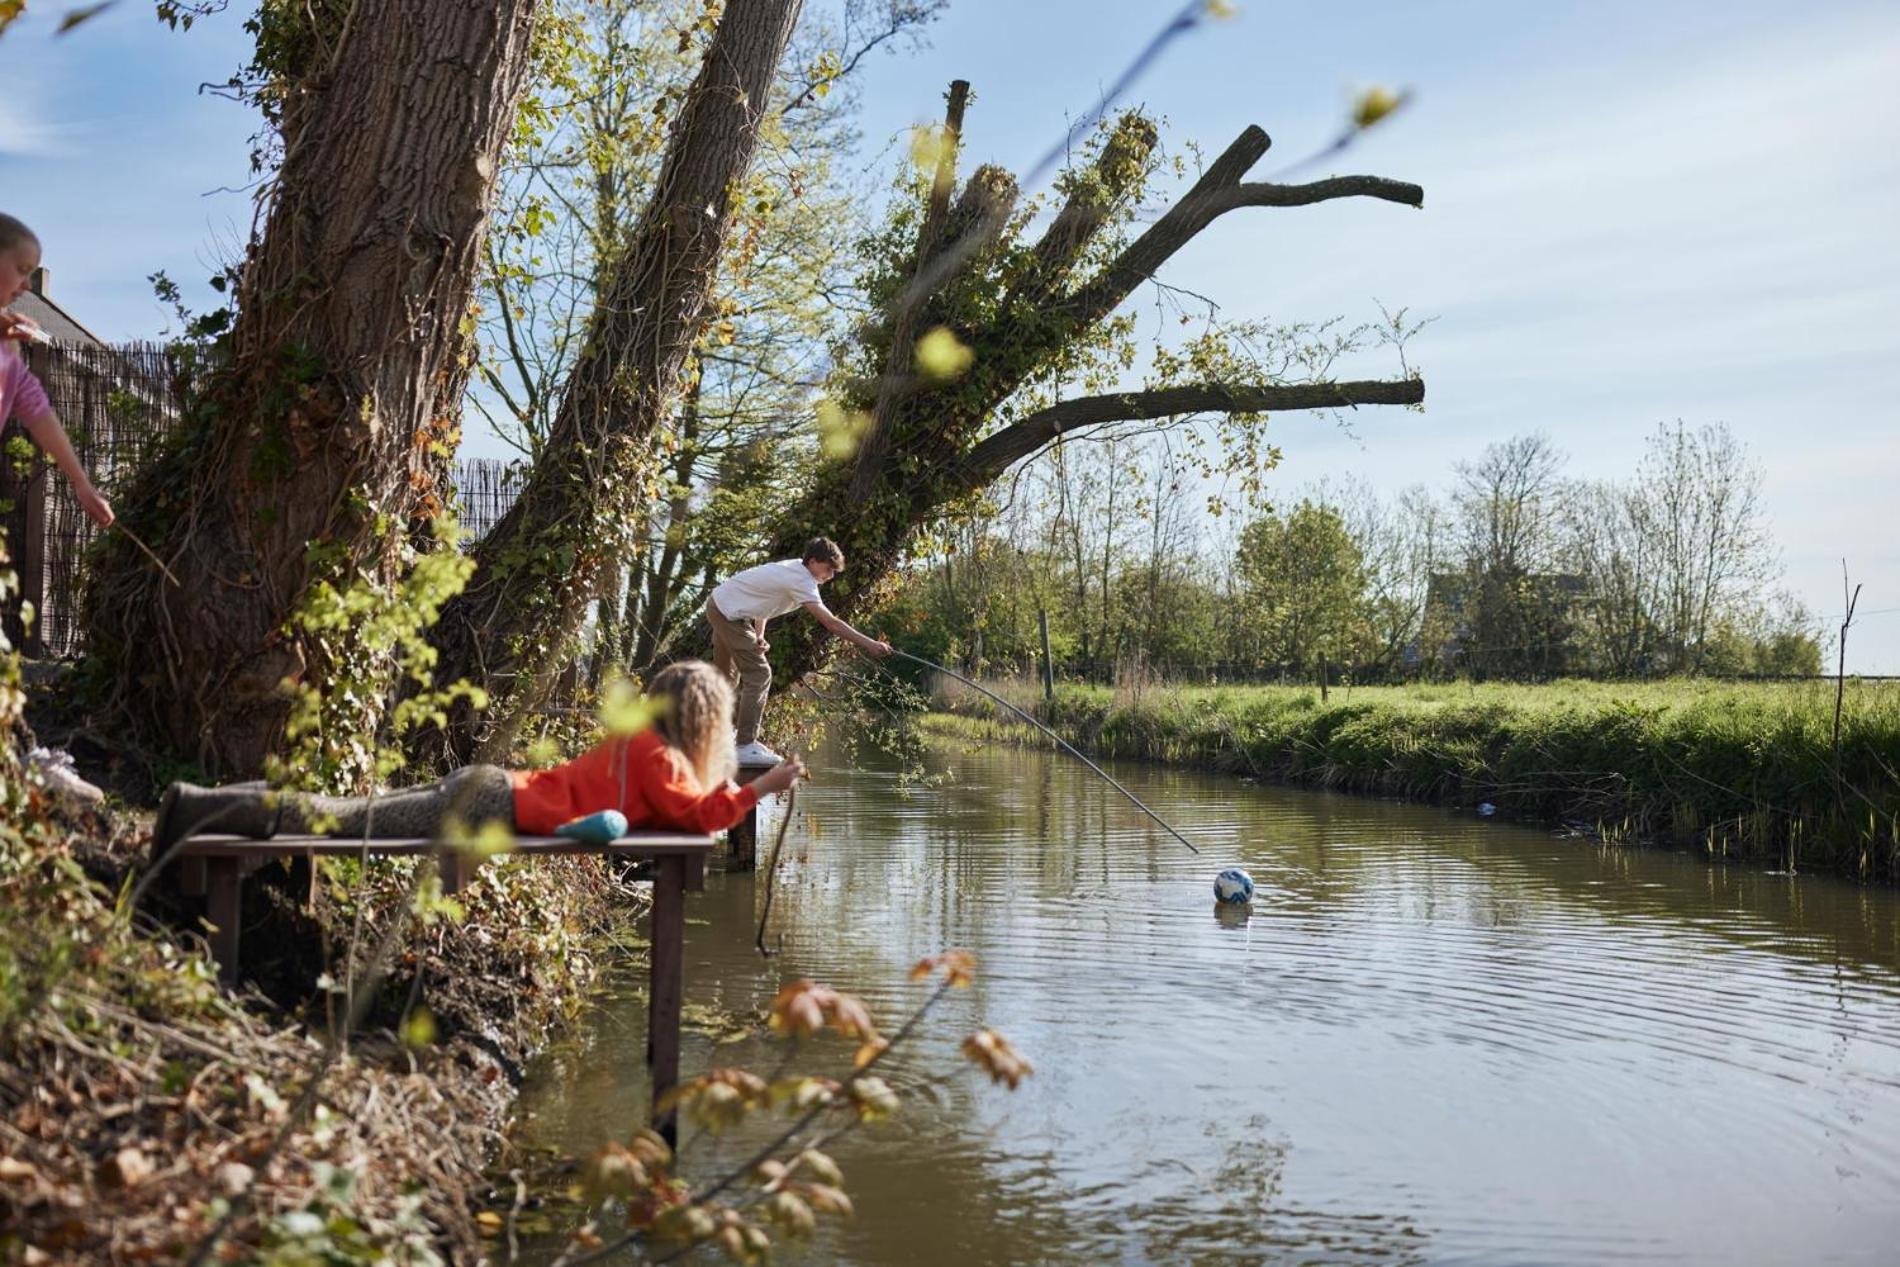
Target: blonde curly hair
{"points": [[695, 718]]}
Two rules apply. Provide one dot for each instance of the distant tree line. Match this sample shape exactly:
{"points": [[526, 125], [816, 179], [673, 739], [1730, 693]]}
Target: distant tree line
{"points": [[1516, 572]]}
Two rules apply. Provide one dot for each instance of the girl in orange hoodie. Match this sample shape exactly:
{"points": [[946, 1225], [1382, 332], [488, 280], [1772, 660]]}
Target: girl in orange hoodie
{"points": [[675, 774]]}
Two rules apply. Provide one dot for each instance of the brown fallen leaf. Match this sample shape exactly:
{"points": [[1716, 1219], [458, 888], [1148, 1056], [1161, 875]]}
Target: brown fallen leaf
{"points": [[126, 1168], [13, 1170]]}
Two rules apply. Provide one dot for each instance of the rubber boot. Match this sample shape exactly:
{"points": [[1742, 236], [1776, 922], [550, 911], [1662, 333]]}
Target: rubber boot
{"points": [[188, 809]]}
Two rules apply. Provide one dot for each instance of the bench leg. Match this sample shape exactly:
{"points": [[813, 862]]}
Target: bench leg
{"points": [[224, 884], [742, 842], [666, 987], [453, 870]]}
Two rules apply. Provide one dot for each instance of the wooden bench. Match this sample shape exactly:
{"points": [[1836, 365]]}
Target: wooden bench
{"points": [[213, 867]]}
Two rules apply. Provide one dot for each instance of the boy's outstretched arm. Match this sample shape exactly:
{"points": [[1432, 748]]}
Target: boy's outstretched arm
{"points": [[870, 645]]}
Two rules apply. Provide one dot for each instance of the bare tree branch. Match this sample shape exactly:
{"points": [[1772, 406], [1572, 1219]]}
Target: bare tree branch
{"points": [[1260, 194], [1117, 169], [995, 455], [1218, 191]]}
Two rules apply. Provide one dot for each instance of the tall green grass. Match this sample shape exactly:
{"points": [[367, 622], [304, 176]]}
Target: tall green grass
{"points": [[1741, 771]]}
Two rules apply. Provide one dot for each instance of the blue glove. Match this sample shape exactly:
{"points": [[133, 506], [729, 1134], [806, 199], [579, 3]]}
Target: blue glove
{"points": [[600, 828]]}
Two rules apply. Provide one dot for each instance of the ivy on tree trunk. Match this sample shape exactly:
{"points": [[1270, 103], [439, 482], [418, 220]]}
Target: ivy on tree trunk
{"points": [[318, 440]]}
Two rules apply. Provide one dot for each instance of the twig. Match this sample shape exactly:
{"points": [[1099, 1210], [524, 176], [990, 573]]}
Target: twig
{"points": [[771, 873], [790, 1133], [1848, 602], [158, 562]]}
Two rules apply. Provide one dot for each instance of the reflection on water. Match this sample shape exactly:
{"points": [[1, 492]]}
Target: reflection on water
{"points": [[1435, 1039]]}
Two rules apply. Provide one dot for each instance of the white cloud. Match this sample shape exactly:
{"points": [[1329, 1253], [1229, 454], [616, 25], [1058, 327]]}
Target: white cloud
{"points": [[25, 132]]}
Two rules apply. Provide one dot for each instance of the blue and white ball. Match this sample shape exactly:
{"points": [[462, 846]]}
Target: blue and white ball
{"points": [[1233, 887]]}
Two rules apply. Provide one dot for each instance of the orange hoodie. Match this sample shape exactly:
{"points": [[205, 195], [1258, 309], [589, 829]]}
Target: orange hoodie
{"points": [[643, 778]]}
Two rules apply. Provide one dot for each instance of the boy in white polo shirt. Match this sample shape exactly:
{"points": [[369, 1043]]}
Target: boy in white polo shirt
{"points": [[737, 612]]}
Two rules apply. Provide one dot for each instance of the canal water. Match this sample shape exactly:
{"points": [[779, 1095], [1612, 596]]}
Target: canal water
{"points": [[1437, 1038]]}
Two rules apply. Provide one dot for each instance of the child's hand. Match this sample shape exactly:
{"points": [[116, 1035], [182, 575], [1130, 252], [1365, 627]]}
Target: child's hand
{"points": [[780, 776], [14, 326], [97, 508]]}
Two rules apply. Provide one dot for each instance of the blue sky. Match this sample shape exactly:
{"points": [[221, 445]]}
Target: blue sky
{"points": [[1634, 213]]}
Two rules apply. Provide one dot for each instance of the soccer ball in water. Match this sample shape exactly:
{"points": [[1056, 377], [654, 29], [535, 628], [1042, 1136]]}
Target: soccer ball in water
{"points": [[1233, 886]]}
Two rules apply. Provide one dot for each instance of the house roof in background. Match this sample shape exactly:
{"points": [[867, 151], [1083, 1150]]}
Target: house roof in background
{"points": [[61, 325]]}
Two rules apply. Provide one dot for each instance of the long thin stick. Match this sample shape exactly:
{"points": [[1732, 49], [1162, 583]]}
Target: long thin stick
{"points": [[1067, 747], [771, 870], [148, 553]]}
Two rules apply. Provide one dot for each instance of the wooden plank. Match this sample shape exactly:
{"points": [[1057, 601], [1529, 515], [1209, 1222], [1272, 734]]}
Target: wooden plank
{"points": [[666, 987], [224, 909], [192, 880], [455, 869], [637, 845]]}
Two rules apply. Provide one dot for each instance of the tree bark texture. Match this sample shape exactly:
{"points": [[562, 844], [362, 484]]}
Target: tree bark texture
{"points": [[540, 566], [309, 450]]}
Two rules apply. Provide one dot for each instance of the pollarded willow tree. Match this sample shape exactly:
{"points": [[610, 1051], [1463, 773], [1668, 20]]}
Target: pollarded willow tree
{"points": [[979, 326], [591, 135], [319, 439], [578, 517]]}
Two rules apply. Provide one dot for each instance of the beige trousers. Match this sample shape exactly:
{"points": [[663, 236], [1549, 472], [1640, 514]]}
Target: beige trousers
{"points": [[736, 654]]}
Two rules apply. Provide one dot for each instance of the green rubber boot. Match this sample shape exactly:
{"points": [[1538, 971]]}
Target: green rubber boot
{"points": [[188, 809]]}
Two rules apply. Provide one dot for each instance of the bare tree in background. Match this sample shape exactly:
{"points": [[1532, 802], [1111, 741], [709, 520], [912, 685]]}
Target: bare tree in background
{"points": [[1700, 502], [1507, 508], [1506, 504]]}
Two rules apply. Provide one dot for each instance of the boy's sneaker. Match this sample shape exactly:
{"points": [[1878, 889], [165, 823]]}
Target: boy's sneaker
{"points": [[54, 767], [756, 753]]}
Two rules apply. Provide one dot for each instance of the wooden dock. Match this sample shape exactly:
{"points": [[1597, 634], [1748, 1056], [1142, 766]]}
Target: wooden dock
{"points": [[214, 866]]}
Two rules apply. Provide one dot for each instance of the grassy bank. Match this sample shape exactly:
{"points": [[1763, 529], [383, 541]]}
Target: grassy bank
{"points": [[1740, 771], [145, 1109]]}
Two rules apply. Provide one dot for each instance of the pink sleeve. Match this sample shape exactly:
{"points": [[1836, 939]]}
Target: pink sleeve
{"points": [[21, 395]]}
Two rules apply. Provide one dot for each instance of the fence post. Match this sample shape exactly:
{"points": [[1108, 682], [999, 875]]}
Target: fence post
{"points": [[32, 564], [1048, 665], [13, 496]]}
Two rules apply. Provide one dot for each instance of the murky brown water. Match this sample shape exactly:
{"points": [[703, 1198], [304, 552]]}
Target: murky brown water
{"points": [[1438, 1039]]}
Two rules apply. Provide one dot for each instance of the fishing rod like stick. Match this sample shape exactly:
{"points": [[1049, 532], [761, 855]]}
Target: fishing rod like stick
{"points": [[1066, 746], [771, 872], [148, 552]]}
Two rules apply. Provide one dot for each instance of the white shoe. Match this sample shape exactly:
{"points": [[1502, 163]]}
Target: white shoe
{"points": [[756, 753], [54, 767]]}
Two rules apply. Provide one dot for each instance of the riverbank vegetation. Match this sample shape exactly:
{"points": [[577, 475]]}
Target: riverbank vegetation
{"points": [[1739, 771], [340, 1109]]}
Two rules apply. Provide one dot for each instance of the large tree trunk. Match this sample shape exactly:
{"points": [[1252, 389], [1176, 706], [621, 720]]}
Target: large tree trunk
{"points": [[540, 566], [310, 450]]}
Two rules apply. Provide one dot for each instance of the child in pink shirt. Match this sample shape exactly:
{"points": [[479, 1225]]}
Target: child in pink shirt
{"points": [[21, 395]]}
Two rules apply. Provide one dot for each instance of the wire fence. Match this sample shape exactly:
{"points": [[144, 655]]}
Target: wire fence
{"points": [[119, 403], [485, 489]]}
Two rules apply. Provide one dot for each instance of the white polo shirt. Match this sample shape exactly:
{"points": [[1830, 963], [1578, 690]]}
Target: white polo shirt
{"points": [[767, 591]]}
